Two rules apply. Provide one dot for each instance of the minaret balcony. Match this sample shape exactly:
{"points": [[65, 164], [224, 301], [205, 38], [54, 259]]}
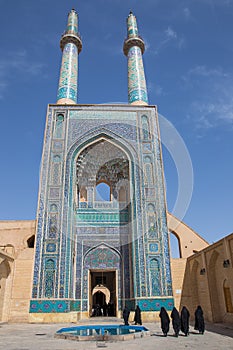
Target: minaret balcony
{"points": [[73, 38], [133, 41]]}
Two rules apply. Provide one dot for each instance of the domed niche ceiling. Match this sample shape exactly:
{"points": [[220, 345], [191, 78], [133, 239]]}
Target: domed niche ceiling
{"points": [[102, 167]]}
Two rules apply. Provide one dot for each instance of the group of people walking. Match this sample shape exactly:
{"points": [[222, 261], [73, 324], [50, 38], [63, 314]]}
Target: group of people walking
{"points": [[103, 310], [137, 316], [180, 322]]}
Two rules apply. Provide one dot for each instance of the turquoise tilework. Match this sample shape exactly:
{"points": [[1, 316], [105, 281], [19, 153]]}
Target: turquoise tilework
{"points": [[81, 132], [52, 306], [69, 73]]}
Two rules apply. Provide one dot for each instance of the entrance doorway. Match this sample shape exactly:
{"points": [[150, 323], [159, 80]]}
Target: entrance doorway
{"points": [[4, 275], [102, 294]]}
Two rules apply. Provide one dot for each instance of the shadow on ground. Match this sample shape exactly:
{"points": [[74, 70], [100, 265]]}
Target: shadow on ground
{"points": [[220, 328]]}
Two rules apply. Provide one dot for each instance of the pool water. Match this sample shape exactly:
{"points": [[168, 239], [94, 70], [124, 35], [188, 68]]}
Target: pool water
{"points": [[101, 330]]}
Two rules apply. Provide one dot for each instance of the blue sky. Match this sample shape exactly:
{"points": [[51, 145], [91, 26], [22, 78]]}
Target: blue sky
{"points": [[189, 70]]}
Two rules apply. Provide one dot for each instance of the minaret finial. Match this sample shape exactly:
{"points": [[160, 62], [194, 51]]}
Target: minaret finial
{"points": [[134, 47], [71, 46]]}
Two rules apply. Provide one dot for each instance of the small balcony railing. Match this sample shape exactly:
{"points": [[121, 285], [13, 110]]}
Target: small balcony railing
{"points": [[102, 205]]}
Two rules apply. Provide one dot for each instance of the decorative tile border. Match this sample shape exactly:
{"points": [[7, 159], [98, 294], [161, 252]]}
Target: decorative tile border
{"points": [[50, 306], [154, 304]]}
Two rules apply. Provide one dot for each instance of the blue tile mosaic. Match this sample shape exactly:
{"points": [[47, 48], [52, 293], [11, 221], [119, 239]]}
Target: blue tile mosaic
{"points": [[133, 237], [54, 306]]}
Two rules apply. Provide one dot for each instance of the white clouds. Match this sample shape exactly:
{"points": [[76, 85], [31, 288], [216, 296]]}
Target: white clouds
{"points": [[202, 70], [216, 2], [186, 13], [212, 90], [17, 63], [170, 34], [169, 37], [213, 113], [152, 87]]}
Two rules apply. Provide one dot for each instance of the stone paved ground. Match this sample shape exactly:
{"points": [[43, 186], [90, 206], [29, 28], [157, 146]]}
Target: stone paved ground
{"points": [[41, 337]]}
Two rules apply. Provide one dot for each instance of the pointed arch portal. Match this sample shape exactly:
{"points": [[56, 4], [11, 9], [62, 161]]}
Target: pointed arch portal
{"points": [[103, 297], [102, 264], [102, 172], [85, 236]]}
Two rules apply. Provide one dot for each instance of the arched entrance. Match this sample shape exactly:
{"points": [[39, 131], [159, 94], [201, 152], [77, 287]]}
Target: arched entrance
{"points": [[4, 274], [194, 285], [100, 301], [227, 296], [102, 169], [105, 294], [103, 298], [213, 285]]}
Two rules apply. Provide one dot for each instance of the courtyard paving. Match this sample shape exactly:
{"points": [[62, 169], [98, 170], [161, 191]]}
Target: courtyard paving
{"points": [[41, 337]]}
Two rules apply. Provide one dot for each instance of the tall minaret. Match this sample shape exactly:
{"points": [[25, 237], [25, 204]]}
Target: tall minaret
{"points": [[71, 46], [134, 47]]}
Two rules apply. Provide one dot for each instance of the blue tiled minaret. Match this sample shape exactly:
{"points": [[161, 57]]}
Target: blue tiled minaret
{"points": [[134, 47], [71, 46]]}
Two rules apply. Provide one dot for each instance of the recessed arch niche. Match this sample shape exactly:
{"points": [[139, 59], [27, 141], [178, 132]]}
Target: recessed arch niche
{"points": [[102, 164]]}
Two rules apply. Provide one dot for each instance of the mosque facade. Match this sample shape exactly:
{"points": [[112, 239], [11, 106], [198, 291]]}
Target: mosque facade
{"points": [[101, 235], [90, 250]]}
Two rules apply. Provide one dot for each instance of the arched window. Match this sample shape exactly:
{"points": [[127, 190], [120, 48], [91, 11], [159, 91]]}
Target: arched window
{"points": [[83, 194], [49, 277], [56, 158], [155, 287], [103, 192], [53, 208], [145, 128], [174, 246], [31, 241], [148, 171], [59, 125], [52, 230], [152, 231]]}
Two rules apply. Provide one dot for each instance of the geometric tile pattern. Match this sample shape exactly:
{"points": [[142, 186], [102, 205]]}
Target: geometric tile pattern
{"points": [[137, 235], [154, 304], [133, 46], [70, 44], [47, 306]]}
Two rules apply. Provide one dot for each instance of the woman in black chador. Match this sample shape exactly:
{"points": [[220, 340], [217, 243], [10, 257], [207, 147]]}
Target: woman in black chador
{"points": [[185, 320], [126, 313], [165, 321], [137, 315], [175, 321], [199, 320]]}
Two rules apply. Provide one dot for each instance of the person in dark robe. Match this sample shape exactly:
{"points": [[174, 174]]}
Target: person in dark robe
{"points": [[110, 308], [98, 310], [126, 313], [175, 321], [105, 309], [199, 320], [185, 320], [93, 311], [137, 315], [165, 321]]}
